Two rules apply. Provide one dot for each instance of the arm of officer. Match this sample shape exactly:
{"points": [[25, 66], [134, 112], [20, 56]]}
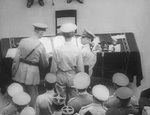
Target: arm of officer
{"points": [[80, 66], [54, 67], [37, 109], [44, 62]]}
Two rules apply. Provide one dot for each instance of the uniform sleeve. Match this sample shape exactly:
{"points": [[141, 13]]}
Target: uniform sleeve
{"points": [[37, 107], [81, 112], [54, 67], [80, 66], [44, 62], [84, 55], [16, 61]]}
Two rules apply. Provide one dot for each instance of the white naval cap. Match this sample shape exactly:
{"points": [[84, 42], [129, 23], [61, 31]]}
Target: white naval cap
{"points": [[100, 92], [81, 80], [28, 111], [40, 26], [14, 88], [124, 93], [21, 98], [120, 79], [88, 34], [68, 27], [50, 78]]}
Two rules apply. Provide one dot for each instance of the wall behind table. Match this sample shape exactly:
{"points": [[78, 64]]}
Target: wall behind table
{"points": [[99, 16]]}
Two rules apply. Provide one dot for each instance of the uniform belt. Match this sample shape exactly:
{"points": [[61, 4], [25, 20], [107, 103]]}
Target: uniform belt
{"points": [[28, 62]]}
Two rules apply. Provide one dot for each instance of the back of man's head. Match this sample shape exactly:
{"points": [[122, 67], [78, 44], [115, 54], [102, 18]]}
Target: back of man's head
{"points": [[50, 80]]}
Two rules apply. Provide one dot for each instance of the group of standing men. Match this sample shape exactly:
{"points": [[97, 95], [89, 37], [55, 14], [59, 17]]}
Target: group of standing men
{"points": [[69, 76], [67, 61]]}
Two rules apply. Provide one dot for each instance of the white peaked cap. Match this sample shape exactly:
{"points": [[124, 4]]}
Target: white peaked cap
{"points": [[81, 80], [68, 27], [14, 88], [120, 79], [40, 25], [21, 98], [100, 92], [50, 78], [28, 111]]}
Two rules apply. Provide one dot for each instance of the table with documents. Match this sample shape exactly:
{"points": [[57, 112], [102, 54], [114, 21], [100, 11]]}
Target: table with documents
{"points": [[127, 60]]}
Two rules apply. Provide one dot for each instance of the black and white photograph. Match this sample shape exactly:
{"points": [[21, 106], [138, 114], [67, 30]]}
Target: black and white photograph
{"points": [[74, 57]]}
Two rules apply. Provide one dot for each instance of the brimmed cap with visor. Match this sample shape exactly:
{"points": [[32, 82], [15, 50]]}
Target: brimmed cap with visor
{"points": [[21, 98], [124, 93], [50, 78], [88, 34], [100, 92], [68, 27], [81, 80], [120, 79], [14, 88], [28, 111], [40, 26]]}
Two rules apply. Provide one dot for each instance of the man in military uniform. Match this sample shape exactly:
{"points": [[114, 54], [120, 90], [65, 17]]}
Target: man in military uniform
{"points": [[67, 62], [124, 95], [43, 104], [144, 99], [11, 91], [30, 2], [119, 80], [100, 95], [81, 83], [28, 111], [31, 55], [89, 57], [19, 101]]}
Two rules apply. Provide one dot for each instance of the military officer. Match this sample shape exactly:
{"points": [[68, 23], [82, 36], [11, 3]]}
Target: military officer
{"points": [[11, 90], [119, 80], [124, 95], [81, 83], [100, 95], [31, 55], [43, 104], [19, 101], [144, 99], [89, 57], [30, 2], [67, 62]]}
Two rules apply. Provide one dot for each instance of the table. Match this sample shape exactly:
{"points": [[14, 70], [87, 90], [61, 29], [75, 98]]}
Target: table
{"points": [[126, 61]]}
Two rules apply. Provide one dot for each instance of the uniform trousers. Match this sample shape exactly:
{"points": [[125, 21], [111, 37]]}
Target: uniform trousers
{"points": [[32, 90]]}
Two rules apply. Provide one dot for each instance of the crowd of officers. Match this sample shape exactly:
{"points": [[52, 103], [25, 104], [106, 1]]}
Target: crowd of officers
{"points": [[67, 81]]}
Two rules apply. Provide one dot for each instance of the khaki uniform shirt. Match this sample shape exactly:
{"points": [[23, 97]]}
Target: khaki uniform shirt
{"points": [[95, 109], [89, 58], [29, 74], [10, 109], [67, 61], [43, 104], [81, 100]]}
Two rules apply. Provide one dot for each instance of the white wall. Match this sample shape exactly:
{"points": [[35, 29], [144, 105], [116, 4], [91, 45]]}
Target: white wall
{"points": [[98, 16]]}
